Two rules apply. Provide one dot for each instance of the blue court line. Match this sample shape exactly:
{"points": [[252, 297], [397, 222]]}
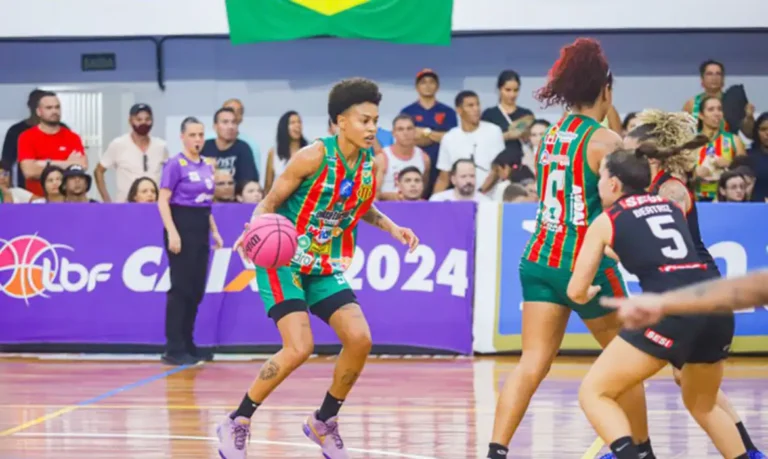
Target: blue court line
{"points": [[91, 401]]}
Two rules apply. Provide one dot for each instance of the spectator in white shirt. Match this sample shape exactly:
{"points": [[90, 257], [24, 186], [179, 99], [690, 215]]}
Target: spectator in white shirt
{"points": [[395, 158], [476, 140], [133, 155], [464, 185], [410, 184]]}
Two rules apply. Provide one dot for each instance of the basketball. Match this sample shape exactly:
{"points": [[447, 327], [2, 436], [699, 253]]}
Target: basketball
{"points": [[270, 241]]}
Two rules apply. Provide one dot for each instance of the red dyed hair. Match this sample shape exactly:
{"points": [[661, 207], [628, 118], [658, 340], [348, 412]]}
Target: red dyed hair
{"points": [[578, 76]]}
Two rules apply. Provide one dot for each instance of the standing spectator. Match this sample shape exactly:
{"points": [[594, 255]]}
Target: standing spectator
{"points": [[514, 121], [476, 140], [717, 155], [758, 159], [464, 183], [75, 184], [731, 187], [8, 193], [410, 184], [237, 106], [433, 119], [224, 190], [143, 190], [289, 140], [229, 152], [48, 143], [249, 192], [51, 178], [400, 155], [713, 82], [186, 194], [133, 155], [11, 143]]}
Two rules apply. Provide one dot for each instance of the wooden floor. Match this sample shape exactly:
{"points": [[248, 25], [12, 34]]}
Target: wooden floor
{"points": [[403, 408]]}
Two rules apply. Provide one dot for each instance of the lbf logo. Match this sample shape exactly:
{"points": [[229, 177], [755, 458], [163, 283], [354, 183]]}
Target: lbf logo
{"points": [[30, 266]]}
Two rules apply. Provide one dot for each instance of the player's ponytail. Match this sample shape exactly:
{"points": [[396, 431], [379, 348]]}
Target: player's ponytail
{"points": [[668, 130]]}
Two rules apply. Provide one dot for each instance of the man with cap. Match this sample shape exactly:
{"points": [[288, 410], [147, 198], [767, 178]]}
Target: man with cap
{"points": [[432, 118], [133, 155], [76, 184]]}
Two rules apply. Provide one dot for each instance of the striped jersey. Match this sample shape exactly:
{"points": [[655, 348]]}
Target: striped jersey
{"points": [[326, 209], [722, 146], [568, 196]]}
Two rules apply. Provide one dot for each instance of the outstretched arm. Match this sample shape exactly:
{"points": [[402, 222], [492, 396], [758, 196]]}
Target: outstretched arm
{"points": [[375, 217]]}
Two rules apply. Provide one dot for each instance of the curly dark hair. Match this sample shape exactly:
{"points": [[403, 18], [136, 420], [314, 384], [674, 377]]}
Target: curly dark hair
{"points": [[350, 92]]}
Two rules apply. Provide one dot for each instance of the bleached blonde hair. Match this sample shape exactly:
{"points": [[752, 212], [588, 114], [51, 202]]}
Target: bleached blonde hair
{"points": [[671, 130]]}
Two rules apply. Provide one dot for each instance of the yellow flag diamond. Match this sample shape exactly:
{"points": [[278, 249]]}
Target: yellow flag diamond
{"points": [[329, 7]]}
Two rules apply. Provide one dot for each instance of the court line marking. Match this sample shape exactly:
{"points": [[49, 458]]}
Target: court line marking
{"points": [[593, 449], [208, 439], [91, 401]]}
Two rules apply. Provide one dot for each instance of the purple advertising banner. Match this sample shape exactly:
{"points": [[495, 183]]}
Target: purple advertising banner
{"points": [[98, 273]]}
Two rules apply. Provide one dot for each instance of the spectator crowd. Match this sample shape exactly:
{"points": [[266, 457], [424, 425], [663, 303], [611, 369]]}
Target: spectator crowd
{"points": [[432, 151]]}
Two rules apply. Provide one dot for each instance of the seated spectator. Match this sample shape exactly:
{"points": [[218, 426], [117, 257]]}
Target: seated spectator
{"points": [[505, 170], [401, 155], [230, 153], [758, 159], [464, 184], [249, 192], [8, 193], [630, 122], [716, 156], [410, 184], [143, 190], [530, 187], [290, 139], [225, 186], [749, 179], [51, 178], [731, 187], [48, 143], [516, 193], [532, 142], [474, 139], [75, 185], [133, 155]]}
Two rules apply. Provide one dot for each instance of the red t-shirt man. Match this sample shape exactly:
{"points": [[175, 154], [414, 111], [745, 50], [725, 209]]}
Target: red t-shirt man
{"points": [[41, 147]]}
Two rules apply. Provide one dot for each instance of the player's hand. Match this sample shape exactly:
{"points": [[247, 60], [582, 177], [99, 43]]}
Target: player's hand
{"points": [[174, 242], [637, 311], [77, 158], [238, 245], [592, 291], [406, 236], [218, 242]]}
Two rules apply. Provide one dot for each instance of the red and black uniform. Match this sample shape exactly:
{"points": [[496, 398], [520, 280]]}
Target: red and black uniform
{"points": [[653, 241]]}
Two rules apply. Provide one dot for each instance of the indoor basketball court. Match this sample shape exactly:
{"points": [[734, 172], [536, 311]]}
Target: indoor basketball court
{"points": [[417, 408]]}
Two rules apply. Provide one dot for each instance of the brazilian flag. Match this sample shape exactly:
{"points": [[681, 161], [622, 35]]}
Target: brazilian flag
{"points": [[398, 21]]}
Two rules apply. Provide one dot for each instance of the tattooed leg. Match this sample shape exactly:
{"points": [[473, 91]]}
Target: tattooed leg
{"points": [[350, 325], [297, 347]]}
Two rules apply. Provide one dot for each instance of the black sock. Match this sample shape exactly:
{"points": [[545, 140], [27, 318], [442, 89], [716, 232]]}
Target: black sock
{"points": [[246, 409], [330, 407], [745, 436], [645, 450], [497, 451], [625, 448]]}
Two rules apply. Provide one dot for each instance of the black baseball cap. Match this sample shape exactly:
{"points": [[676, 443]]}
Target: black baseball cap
{"points": [[138, 108], [427, 73]]}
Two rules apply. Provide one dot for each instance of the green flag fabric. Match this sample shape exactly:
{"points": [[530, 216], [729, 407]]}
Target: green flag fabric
{"points": [[398, 21]]}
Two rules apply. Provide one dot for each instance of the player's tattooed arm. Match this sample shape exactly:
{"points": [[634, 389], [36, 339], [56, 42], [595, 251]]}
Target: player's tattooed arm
{"points": [[677, 193], [721, 295], [375, 217]]}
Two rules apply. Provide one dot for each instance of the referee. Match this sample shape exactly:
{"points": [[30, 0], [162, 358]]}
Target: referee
{"points": [[186, 195]]}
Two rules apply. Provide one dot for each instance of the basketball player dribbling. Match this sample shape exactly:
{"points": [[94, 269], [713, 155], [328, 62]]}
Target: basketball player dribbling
{"points": [[650, 235], [325, 190], [668, 175], [567, 164]]}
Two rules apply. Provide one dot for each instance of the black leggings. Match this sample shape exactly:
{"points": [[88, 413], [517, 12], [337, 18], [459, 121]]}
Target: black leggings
{"points": [[189, 270]]}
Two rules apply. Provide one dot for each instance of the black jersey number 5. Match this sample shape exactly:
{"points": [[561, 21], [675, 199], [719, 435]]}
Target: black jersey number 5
{"points": [[677, 249]]}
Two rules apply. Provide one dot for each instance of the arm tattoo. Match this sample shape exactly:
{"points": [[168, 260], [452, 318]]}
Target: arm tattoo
{"points": [[676, 193], [269, 371], [375, 218]]}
